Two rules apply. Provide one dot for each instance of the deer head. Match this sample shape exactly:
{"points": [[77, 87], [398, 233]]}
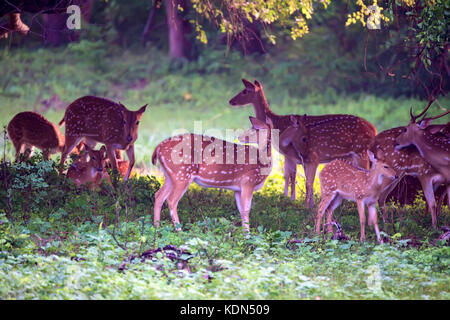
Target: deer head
{"points": [[97, 158], [417, 128], [382, 169], [246, 96], [297, 135], [131, 123]]}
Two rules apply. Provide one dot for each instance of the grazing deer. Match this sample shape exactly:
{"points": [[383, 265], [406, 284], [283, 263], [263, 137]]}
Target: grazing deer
{"points": [[30, 129], [99, 120], [434, 147], [91, 172], [332, 136], [407, 161], [341, 180], [122, 165], [233, 167]]}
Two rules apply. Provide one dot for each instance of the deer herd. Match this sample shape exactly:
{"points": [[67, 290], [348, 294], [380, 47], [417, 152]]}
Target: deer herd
{"points": [[362, 166]]}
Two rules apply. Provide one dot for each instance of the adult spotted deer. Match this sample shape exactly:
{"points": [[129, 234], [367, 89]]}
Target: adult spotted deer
{"points": [[407, 161], [213, 163], [100, 120], [341, 180], [91, 172], [331, 136], [30, 129], [433, 146]]}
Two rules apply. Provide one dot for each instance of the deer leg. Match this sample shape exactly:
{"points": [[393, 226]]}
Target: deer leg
{"points": [[71, 142], [161, 196], [323, 206], [18, 147], [362, 220], [46, 154], [246, 195], [428, 192], [382, 200], [290, 174], [237, 196], [310, 173], [176, 192], [373, 220], [336, 202], [130, 154]]}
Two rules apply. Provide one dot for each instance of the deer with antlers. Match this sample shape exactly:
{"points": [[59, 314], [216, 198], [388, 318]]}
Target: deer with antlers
{"points": [[30, 129], [100, 120], [341, 180], [331, 136], [213, 163], [433, 146], [407, 161], [90, 172]]}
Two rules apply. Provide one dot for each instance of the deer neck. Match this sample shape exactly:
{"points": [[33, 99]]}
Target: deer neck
{"points": [[262, 109], [375, 181]]}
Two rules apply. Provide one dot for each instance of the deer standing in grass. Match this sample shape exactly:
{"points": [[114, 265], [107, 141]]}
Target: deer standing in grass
{"points": [[30, 129], [100, 120], [90, 172], [433, 146], [219, 164], [341, 180], [407, 161], [331, 136]]}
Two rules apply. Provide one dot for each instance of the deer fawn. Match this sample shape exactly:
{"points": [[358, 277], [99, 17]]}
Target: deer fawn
{"points": [[341, 180], [434, 147], [233, 167], [30, 129], [407, 161], [99, 120], [332, 136], [91, 172]]}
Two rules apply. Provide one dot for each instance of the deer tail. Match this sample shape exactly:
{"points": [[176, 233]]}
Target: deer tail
{"points": [[155, 156], [62, 121]]}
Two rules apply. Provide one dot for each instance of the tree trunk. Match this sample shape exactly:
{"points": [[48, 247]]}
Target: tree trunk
{"points": [[178, 45], [55, 29]]}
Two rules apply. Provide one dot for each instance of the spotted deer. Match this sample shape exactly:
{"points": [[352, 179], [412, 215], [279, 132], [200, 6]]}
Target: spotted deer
{"points": [[341, 180], [90, 172], [234, 167], [332, 136], [30, 129], [98, 120], [407, 161], [433, 146]]}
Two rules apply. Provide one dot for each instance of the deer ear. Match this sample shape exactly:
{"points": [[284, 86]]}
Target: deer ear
{"points": [[258, 84], [294, 120], [371, 156], [379, 154], [257, 124], [247, 83], [436, 128], [424, 123], [142, 109]]}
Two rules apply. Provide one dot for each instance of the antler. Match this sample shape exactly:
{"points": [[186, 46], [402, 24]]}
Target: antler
{"points": [[436, 117], [414, 118]]}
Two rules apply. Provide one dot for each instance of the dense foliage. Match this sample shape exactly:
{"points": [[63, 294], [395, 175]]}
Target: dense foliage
{"points": [[80, 245]]}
